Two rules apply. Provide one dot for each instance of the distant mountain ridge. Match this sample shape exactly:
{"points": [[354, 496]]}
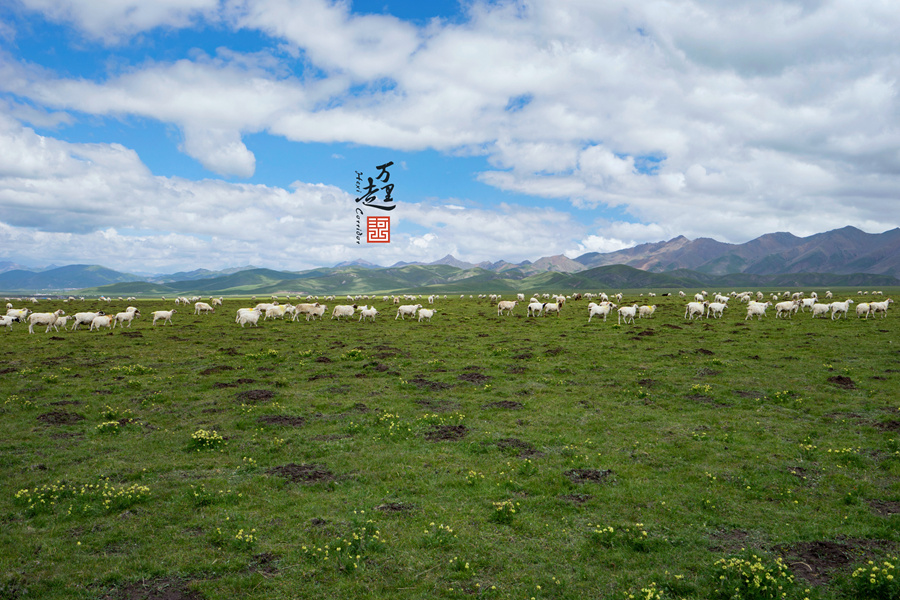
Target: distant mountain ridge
{"points": [[849, 254], [840, 251]]}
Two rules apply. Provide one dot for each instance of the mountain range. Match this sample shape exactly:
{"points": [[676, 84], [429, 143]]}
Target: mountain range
{"points": [[844, 256]]}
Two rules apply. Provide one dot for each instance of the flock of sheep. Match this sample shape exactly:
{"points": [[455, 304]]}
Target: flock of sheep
{"points": [[785, 306]]}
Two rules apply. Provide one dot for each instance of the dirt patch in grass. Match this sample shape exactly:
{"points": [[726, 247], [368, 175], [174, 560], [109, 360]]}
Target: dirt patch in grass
{"points": [[576, 498], [8, 370], [889, 425], [555, 351], [518, 447], [322, 359], [729, 540], [254, 396], [588, 475], [843, 382], [476, 378], [282, 420], [516, 370], [161, 588], [221, 384], [885, 508], [670, 326], [322, 376], [66, 403], [360, 408], [395, 507], [704, 372], [338, 389], [59, 417], [439, 406], [749, 394], [646, 332], [703, 399], [524, 356], [229, 351], [507, 404], [331, 437], [646, 382], [302, 473], [818, 561], [704, 351], [216, 369], [446, 433], [263, 563], [421, 382]]}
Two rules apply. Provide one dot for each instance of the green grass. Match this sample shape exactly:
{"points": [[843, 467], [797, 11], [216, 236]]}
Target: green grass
{"points": [[470, 456]]}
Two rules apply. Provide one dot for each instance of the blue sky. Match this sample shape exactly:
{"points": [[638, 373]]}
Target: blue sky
{"points": [[180, 134]]}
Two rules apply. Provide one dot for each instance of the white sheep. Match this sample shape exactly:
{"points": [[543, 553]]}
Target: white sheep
{"points": [[48, 319], [627, 312], [863, 308], [165, 315], [507, 305], [85, 318], [276, 312], [425, 313], [716, 309], [343, 310], [535, 308], [551, 307], [757, 309], [101, 321], [881, 307], [202, 307], [599, 310], [368, 313], [18, 314], [7, 321], [840, 308], [695, 308], [407, 310], [128, 315], [303, 309], [248, 316], [316, 311], [820, 309], [788, 307], [646, 311]]}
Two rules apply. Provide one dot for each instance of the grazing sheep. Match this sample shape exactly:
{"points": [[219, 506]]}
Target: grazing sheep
{"points": [[863, 308], [695, 308], [599, 310], [820, 309], [646, 311], [18, 314], [7, 321], [303, 309], [716, 309], [757, 309], [316, 311], [249, 316], [507, 305], [276, 312], [343, 310], [551, 307], [85, 318], [368, 313], [407, 310], [627, 312], [202, 307], [165, 315], [425, 313], [101, 321], [789, 308], [535, 308], [881, 307], [48, 319], [840, 308], [128, 315]]}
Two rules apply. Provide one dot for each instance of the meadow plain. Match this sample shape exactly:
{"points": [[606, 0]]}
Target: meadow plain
{"points": [[472, 456]]}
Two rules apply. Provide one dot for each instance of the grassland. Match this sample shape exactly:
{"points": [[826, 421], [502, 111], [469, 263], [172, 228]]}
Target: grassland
{"points": [[473, 456]]}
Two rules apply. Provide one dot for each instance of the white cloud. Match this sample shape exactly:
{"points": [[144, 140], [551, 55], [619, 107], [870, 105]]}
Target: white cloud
{"points": [[725, 120]]}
